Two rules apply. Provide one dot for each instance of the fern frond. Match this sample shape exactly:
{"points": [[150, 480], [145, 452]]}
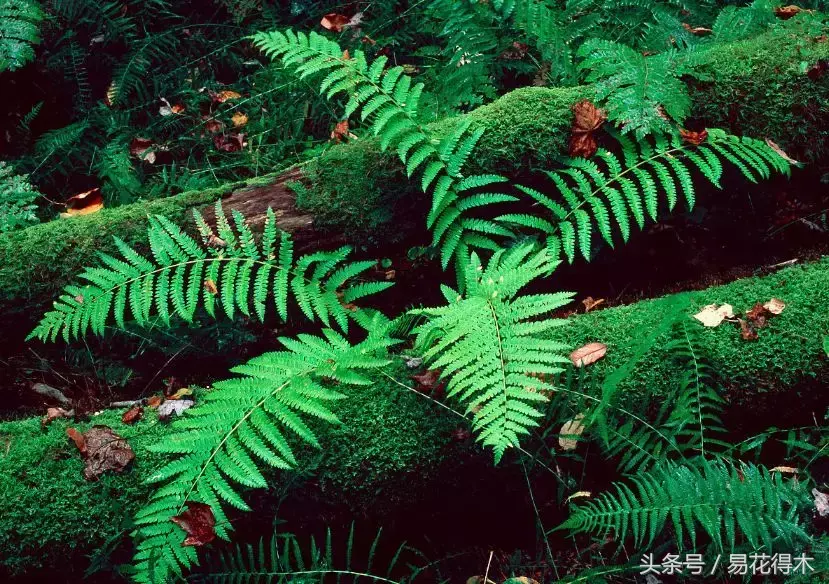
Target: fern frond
{"points": [[222, 442], [726, 503], [488, 344], [19, 32], [183, 275], [17, 197]]}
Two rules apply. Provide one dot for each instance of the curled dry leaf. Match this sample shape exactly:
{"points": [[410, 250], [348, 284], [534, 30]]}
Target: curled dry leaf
{"points": [[132, 415], [173, 406], [225, 95], [338, 22], [775, 306], [586, 121], [84, 203], [786, 12], [569, 433], [691, 137], [210, 287], [54, 414], [696, 30], [213, 126], [428, 381], [340, 131], [590, 303], [239, 119], [758, 315], [747, 331], [232, 142], [102, 450], [817, 70], [579, 495], [712, 316], [198, 522], [589, 353], [168, 110], [785, 469], [821, 502], [782, 153], [184, 391]]}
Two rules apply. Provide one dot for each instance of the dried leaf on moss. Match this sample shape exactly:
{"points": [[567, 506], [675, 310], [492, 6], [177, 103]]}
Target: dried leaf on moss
{"points": [[198, 522]]}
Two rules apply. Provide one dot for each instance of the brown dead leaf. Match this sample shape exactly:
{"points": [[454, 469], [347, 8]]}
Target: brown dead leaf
{"points": [[346, 55], [168, 110], [140, 145], [712, 316], [696, 30], [785, 469], [239, 119], [691, 137], [747, 331], [758, 315], [102, 450], [817, 70], [84, 203], [232, 142], [590, 303], [184, 391], [569, 433], [782, 153], [54, 414], [786, 12], [515, 52], [588, 354], [821, 502], [390, 274], [225, 95], [132, 415], [340, 131], [198, 522], [579, 495], [586, 121], [210, 287], [427, 380], [213, 126], [775, 306], [154, 401], [335, 22]]}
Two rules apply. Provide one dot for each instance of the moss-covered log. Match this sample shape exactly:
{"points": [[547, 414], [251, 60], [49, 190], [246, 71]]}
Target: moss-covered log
{"points": [[757, 86], [391, 435]]}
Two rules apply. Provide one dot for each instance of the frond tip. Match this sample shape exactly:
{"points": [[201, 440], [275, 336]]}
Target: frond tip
{"points": [[489, 344], [230, 269]]}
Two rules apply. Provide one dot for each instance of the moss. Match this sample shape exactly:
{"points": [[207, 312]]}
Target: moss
{"points": [[787, 350]]}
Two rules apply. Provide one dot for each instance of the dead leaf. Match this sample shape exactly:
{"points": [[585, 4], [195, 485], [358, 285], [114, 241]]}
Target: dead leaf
{"points": [[589, 353], [239, 119], [782, 153], [132, 415], [210, 287], [785, 469], [569, 433], [821, 502], [84, 203], [218, 242], [198, 522], [224, 95], [696, 30], [747, 331], [154, 401], [691, 137], [587, 120], [346, 55], [711, 316], [390, 274], [168, 110], [54, 414], [181, 393], [515, 52], [758, 315], [428, 381], [786, 12], [102, 450], [213, 126], [590, 303], [231, 142], [579, 495], [817, 70], [340, 131], [338, 22], [141, 149], [174, 406]]}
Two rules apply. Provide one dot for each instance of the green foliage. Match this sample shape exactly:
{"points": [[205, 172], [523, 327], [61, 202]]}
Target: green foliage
{"points": [[238, 426], [230, 270], [735, 23], [17, 197], [488, 343], [19, 32], [639, 91], [730, 504]]}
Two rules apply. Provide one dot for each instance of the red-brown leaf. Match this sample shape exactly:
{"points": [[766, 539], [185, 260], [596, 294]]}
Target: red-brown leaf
{"points": [[54, 414], [103, 450], [335, 22], [154, 401], [340, 131], [695, 138], [231, 142], [786, 12], [696, 30], [586, 121], [589, 353], [132, 415], [747, 331], [84, 203], [198, 522], [77, 438]]}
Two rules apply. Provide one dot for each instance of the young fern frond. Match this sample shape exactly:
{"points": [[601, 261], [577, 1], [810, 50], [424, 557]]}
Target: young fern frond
{"points": [[728, 504], [183, 275], [19, 32], [609, 193], [489, 344], [17, 197], [282, 559], [220, 444]]}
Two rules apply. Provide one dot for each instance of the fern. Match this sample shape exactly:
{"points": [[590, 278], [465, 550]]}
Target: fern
{"points": [[221, 443], [729, 504], [17, 197], [283, 560], [240, 275], [641, 94], [19, 32], [489, 344], [735, 23], [607, 194]]}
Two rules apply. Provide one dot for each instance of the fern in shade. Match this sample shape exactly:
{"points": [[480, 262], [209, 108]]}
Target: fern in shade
{"points": [[728, 504], [239, 426], [19, 32], [230, 270], [489, 344]]}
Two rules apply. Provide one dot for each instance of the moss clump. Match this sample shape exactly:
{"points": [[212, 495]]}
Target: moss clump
{"points": [[788, 348]]}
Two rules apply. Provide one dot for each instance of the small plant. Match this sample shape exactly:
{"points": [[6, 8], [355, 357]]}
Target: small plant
{"points": [[17, 198]]}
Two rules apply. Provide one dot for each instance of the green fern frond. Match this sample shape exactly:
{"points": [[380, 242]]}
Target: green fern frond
{"points": [[228, 270], [17, 197], [728, 504], [238, 427], [489, 344], [19, 32]]}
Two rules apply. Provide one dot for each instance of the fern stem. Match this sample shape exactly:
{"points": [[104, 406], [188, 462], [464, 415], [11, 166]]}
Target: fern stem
{"points": [[697, 383]]}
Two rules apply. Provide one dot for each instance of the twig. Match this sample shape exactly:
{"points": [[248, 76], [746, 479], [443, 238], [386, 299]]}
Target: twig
{"points": [[489, 562]]}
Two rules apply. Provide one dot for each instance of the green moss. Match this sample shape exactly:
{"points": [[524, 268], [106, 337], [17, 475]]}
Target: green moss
{"points": [[787, 350]]}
